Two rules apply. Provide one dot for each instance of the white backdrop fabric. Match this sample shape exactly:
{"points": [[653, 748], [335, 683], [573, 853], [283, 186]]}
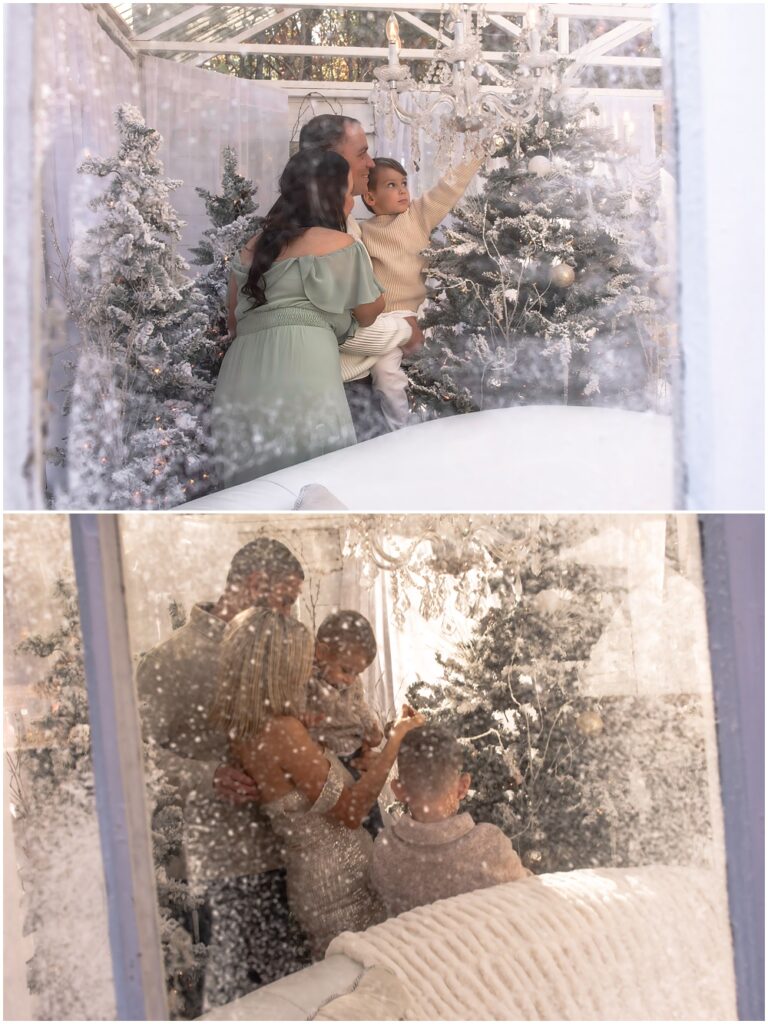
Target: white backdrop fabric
{"points": [[198, 113], [83, 76]]}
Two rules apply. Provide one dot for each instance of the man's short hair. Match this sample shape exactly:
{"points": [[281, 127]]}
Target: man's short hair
{"points": [[324, 131], [348, 631], [429, 758], [380, 162], [263, 555]]}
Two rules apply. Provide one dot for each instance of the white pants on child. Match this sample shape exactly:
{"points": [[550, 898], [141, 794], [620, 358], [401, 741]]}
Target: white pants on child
{"points": [[389, 385], [390, 382]]}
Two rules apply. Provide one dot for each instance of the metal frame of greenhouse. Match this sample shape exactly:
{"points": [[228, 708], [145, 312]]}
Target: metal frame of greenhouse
{"points": [[198, 32]]}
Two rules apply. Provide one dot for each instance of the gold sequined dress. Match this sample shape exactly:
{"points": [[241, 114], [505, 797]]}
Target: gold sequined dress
{"points": [[327, 864]]}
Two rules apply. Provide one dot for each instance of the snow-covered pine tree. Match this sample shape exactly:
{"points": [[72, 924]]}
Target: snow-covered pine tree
{"points": [[234, 220], [142, 319], [512, 693], [574, 780], [55, 775], [542, 287]]}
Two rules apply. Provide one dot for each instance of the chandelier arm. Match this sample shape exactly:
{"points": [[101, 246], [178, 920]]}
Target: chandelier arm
{"points": [[411, 117]]}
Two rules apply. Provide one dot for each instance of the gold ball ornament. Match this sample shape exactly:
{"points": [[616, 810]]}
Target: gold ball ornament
{"points": [[590, 723], [539, 165], [562, 275]]}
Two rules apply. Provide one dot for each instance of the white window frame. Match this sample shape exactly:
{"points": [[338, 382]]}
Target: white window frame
{"points": [[733, 563]]}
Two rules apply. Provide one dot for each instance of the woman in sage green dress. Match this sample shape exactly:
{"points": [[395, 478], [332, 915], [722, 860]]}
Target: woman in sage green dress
{"points": [[297, 292]]}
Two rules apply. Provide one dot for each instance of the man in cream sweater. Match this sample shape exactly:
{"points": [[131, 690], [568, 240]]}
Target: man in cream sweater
{"points": [[345, 136], [230, 854]]}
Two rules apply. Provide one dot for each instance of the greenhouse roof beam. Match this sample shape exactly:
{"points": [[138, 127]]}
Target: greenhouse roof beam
{"points": [[607, 41], [418, 23], [618, 12], [253, 30], [289, 50], [362, 90], [178, 19]]}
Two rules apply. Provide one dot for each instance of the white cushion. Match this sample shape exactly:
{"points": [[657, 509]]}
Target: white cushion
{"points": [[316, 498], [536, 458], [648, 943], [377, 995], [295, 997]]}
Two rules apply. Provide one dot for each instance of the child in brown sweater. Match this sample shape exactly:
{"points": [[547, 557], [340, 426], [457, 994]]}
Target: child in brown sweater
{"points": [[395, 237], [434, 852]]}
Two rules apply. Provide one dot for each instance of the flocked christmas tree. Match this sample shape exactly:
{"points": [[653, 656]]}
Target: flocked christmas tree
{"points": [[542, 287], [574, 780], [234, 220], [512, 694], [54, 775], [139, 436]]}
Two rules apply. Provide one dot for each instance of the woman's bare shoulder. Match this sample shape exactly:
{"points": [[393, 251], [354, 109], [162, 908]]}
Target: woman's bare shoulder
{"points": [[246, 253], [284, 727], [318, 241]]}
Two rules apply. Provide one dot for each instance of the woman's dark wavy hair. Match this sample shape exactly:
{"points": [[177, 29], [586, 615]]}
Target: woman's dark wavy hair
{"points": [[313, 186]]}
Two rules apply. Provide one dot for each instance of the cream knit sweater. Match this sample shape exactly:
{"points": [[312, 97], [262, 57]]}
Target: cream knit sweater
{"points": [[395, 242], [368, 344]]}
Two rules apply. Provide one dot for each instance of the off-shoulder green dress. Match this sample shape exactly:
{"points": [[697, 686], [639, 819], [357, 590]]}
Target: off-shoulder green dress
{"points": [[279, 399]]}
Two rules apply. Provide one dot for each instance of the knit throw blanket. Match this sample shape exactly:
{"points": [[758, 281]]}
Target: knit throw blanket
{"points": [[649, 943]]}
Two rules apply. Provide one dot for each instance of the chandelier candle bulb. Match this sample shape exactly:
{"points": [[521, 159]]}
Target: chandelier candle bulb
{"points": [[393, 37]]}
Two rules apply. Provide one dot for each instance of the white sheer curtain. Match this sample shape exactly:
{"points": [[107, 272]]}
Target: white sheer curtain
{"points": [[632, 120], [84, 76], [198, 113]]}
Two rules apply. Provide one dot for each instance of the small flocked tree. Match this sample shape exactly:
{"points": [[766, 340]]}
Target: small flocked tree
{"points": [[542, 288], [143, 327], [233, 221], [575, 781], [54, 772]]}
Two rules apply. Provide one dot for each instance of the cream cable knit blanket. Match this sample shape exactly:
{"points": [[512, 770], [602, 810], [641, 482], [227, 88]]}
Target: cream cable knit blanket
{"points": [[649, 943]]}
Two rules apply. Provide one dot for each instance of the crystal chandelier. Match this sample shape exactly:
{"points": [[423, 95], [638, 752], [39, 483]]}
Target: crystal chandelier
{"points": [[434, 557], [450, 101]]}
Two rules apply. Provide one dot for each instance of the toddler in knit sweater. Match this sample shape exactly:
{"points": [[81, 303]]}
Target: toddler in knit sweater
{"points": [[395, 237], [337, 714], [434, 852]]}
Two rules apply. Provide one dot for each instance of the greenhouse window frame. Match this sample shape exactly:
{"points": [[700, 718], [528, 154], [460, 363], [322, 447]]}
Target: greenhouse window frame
{"points": [[732, 553]]}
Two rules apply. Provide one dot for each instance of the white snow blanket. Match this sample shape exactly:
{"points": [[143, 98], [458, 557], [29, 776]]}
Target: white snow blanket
{"points": [[649, 943], [537, 458]]}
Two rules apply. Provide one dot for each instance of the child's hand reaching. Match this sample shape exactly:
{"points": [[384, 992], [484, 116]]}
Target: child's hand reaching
{"points": [[408, 719]]}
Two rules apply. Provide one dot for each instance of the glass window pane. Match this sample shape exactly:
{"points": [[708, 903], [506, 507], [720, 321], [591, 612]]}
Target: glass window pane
{"points": [[568, 654], [53, 871]]}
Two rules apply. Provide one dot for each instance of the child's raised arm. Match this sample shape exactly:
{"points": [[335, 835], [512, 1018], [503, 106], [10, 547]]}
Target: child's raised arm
{"points": [[438, 202], [288, 743]]}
